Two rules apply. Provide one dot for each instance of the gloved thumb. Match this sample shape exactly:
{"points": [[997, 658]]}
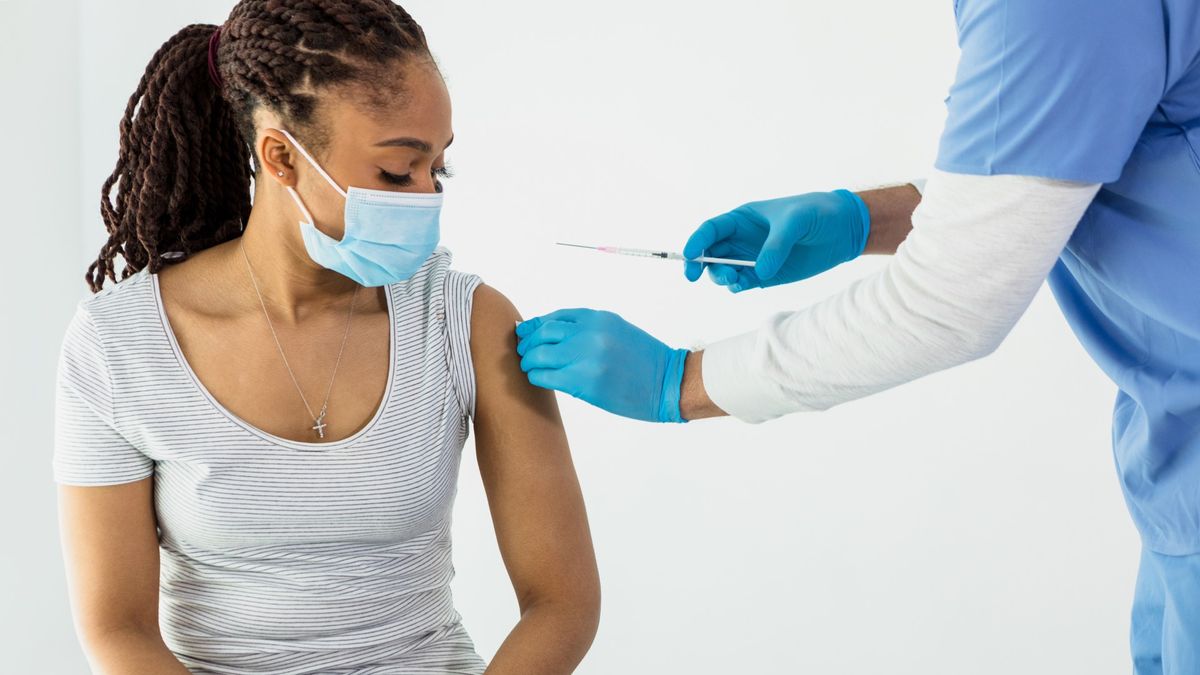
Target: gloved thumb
{"points": [[775, 252]]}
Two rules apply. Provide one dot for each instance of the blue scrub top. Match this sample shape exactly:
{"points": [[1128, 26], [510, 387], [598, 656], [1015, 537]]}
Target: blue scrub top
{"points": [[1108, 91]]}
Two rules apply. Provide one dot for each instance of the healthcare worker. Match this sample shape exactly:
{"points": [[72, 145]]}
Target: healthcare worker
{"points": [[1071, 149]]}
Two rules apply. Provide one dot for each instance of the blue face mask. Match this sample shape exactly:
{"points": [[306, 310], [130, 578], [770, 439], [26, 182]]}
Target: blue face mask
{"points": [[388, 236]]}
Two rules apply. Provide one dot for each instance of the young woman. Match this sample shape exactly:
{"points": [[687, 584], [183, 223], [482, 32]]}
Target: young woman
{"points": [[259, 425]]}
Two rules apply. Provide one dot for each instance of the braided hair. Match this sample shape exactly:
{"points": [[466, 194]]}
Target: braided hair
{"points": [[186, 159]]}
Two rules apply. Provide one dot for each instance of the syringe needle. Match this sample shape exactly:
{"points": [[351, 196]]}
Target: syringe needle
{"points": [[661, 255]]}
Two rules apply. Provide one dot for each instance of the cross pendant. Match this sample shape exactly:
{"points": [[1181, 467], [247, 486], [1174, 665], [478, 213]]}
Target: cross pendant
{"points": [[320, 425]]}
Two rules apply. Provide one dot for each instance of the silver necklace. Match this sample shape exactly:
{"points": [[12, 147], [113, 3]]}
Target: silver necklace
{"points": [[318, 419]]}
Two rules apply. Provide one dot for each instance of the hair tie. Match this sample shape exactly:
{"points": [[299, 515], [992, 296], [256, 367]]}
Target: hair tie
{"points": [[213, 73]]}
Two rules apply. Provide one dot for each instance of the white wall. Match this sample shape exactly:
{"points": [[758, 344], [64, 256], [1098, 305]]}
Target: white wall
{"points": [[969, 522], [40, 196]]}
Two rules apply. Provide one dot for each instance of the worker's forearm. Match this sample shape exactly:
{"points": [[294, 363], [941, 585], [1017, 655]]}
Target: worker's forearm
{"points": [[981, 248], [694, 403], [891, 211], [891, 217], [550, 639], [131, 652]]}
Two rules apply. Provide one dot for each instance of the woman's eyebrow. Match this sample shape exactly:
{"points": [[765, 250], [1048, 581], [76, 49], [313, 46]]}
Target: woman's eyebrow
{"points": [[408, 142]]}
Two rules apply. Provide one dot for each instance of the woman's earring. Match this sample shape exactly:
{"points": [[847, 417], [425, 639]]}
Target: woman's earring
{"points": [[281, 174]]}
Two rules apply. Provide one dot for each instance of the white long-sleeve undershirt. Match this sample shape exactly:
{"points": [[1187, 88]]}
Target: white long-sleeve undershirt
{"points": [[980, 248]]}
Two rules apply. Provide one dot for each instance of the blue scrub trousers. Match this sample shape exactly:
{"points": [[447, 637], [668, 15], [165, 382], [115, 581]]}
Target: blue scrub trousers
{"points": [[1165, 632]]}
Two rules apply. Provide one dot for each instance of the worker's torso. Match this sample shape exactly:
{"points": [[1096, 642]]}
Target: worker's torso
{"points": [[1129, 284]]}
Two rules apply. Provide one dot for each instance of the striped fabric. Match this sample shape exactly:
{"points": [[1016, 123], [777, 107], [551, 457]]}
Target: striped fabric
{"points": [[277, 556]]}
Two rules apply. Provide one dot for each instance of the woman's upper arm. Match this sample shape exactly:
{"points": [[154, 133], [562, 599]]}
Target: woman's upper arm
{"points": [[110, 546], [107, 522], [533, 493]]}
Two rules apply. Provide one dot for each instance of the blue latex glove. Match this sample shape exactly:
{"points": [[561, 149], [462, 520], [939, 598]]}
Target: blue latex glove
{"points": [[790, 239], [602, 359]]}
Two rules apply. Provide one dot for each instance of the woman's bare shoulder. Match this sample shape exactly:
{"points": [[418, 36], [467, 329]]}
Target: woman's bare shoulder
{"points": [[493, 329], [502, 388], [200, 284], [491, 310]]}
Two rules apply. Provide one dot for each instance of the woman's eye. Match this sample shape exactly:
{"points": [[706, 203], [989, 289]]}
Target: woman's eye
{"points": [[406, 179], [394, 179]]}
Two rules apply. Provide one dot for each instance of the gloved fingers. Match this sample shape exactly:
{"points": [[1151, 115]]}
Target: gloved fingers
{"points": [[729, 249], [746, 279], [725, 249], [528, 326], [548, 378], [570, 315], [549, 332], [722, 275], [547, 357], [776, 249], [710, 232]]}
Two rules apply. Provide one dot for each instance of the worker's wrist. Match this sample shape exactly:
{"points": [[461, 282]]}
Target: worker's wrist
{"points": [[859, 216], [891, 210], [694, 403], [668, 408]]}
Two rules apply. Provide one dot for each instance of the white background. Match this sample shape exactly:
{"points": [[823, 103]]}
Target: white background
{"points": [[969, 522]]}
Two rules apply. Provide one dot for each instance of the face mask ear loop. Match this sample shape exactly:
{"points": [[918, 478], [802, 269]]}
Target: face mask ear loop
{"points": [[296, 198], [315, 166]]}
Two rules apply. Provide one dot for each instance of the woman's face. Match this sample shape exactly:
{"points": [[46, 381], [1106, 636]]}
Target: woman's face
{"points": [[395, 145]]}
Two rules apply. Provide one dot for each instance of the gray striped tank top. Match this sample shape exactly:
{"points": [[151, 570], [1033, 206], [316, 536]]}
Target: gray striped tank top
{"points": [[282, 557]]}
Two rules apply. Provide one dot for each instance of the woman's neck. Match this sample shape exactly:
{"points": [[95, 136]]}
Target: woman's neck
{"points": [[291, 283]]}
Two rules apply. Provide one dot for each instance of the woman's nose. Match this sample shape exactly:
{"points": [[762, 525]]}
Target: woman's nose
{"points": [[429, 183]]}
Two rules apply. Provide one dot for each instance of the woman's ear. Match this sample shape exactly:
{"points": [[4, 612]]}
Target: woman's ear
{"points": [[277, 158]]}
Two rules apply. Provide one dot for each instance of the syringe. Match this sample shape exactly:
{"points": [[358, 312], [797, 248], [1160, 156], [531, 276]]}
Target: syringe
{"points": [[662, 255]]}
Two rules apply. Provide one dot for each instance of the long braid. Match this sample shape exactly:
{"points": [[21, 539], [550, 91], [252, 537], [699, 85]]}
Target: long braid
{"points": [[182, 178]]}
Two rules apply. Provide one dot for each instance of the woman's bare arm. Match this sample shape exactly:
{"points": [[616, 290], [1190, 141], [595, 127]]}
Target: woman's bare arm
{"points": [[110, 545], [536, 503]]}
